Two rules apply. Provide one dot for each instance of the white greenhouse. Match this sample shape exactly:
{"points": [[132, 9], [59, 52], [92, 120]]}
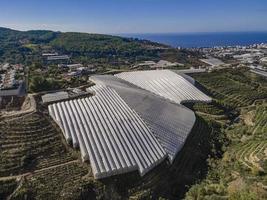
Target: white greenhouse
{"points": [[130, 123]]}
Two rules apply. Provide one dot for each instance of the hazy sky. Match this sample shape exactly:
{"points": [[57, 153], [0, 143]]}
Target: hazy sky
{"points": [[135, 16]]}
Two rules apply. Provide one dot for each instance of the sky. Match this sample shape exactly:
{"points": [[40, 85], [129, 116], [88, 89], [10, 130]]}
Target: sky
{"points": [[135, 16]]}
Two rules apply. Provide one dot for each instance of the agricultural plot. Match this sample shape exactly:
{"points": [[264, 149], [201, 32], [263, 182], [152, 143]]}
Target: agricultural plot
{"points": [[241, 173], [252, 153], [29, 143], [211, 108], [259, 122], [55, 183], [233, 87]]}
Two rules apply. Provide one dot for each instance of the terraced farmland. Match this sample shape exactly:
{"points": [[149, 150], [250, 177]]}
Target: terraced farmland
{"points": [[29, 143], [34, 161], [55, 183], [259, 122], [242, 171], [251, 154], [233, 87], [210, 108]]}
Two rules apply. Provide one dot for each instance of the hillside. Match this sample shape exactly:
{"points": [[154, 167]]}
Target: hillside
{"points": [[223, 158], [27, 47], [240, 172], [13, 45]]}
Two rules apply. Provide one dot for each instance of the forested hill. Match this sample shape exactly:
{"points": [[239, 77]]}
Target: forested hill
{"points": [[27, 46], [15, 45], [82, 41], [10, 36]]}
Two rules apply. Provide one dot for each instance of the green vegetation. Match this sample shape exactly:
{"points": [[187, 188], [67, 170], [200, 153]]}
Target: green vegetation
{"points": [[39, 83], [101, 50], [225, 156], [17, 46], [55, 183], [52, 79], [233, 87], [117, 51], [241, 172], [106, 53]]}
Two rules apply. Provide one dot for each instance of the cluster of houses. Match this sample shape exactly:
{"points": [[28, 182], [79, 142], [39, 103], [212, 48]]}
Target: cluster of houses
{"points": [[55, 57], [8, 76], [64, 63], [77, 69], [252, 56], [12, 85]]}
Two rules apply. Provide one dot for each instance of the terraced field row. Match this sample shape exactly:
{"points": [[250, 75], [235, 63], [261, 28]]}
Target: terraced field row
{"points": [[241, 174], [251, 154], [260, 122], [30, 143], [210, 108], [233, 98], [56, 183], [234, 87], [246, 77]]}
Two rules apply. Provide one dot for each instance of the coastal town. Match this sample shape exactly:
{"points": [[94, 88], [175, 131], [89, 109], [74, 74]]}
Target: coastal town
{"points": [[14, 83], [251, 56]]}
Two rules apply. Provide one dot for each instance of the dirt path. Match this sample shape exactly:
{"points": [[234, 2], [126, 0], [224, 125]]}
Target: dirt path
{"points": [[28, 107], [36, 171]]}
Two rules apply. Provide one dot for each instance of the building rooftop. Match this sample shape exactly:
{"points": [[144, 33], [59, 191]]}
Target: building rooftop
{"points": [[61, 57], [52, 97]]}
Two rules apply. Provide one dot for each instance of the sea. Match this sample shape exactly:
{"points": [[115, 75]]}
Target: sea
{"points": [[197, 40]]}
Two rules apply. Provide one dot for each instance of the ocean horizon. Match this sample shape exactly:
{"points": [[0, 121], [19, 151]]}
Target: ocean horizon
{"points": [[198, 40]]}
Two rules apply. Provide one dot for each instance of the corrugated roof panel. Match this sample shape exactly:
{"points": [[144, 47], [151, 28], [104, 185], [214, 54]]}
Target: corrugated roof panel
{"points": [[129, 125], [109, 133], [165, 83]]}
